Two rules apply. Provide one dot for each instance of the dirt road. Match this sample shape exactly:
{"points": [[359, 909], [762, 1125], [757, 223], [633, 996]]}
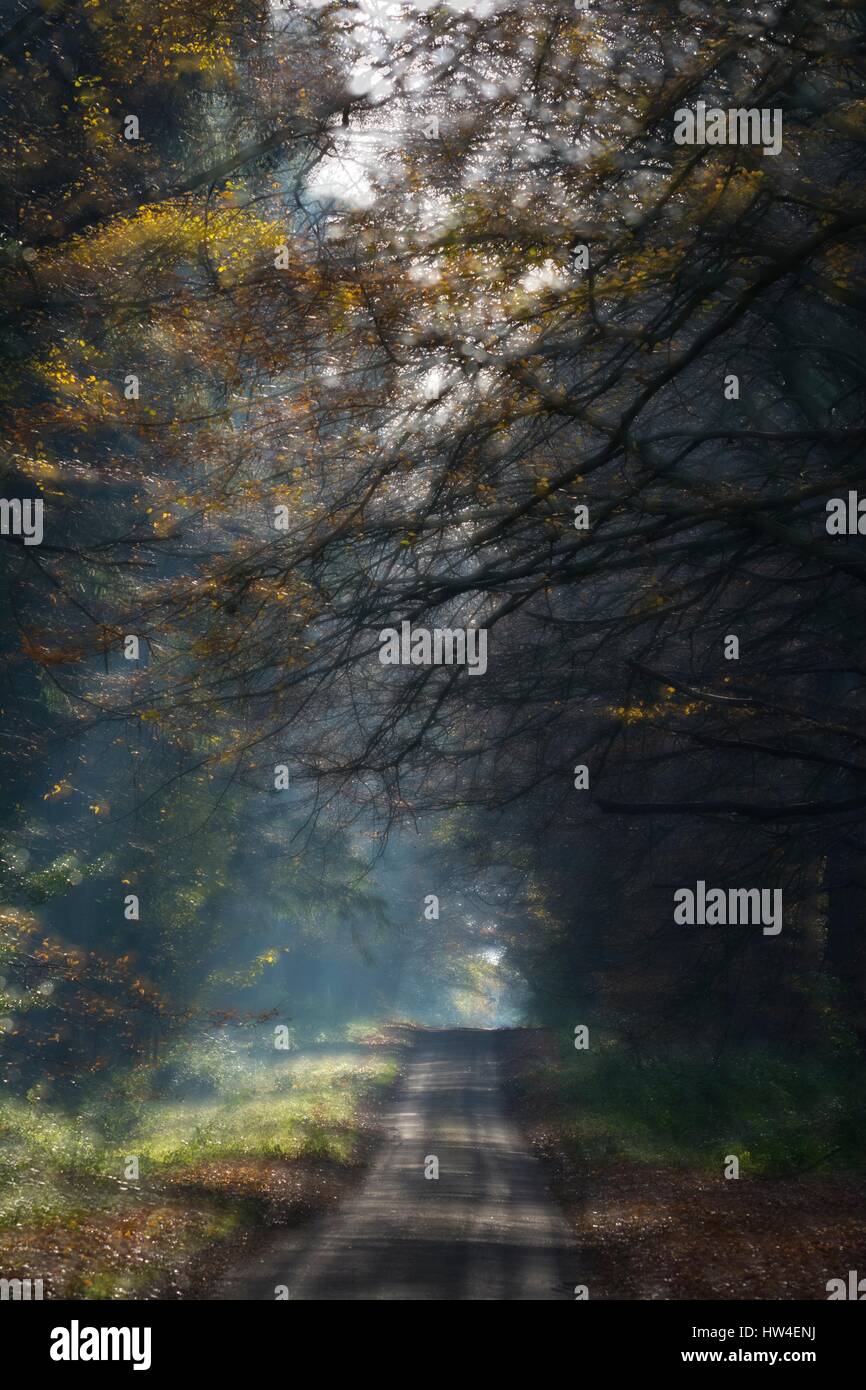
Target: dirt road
{"points": [[484, 1229]]}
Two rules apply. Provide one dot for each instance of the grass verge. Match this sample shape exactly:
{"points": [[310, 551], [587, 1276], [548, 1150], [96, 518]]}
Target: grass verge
{"points": [[274, 1145], [637, 1152]]}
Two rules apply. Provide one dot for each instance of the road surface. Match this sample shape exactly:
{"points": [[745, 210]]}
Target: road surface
{"points": [[484, 1229]]}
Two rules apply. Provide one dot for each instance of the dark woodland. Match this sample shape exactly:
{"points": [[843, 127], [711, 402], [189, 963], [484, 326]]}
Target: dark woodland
{"points": [[323, 322]]}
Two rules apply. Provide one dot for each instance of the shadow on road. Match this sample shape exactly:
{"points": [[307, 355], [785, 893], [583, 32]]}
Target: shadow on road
{"points": [[485, 1228]]}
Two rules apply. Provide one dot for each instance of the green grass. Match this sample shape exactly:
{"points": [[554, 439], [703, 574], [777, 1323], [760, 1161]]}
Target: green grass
{"points": [[307, 1109], [779, 1115], [208, 1168], [304, 1107]]}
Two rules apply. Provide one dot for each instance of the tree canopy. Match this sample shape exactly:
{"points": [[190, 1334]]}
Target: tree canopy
{"points": [[323, 319]]}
